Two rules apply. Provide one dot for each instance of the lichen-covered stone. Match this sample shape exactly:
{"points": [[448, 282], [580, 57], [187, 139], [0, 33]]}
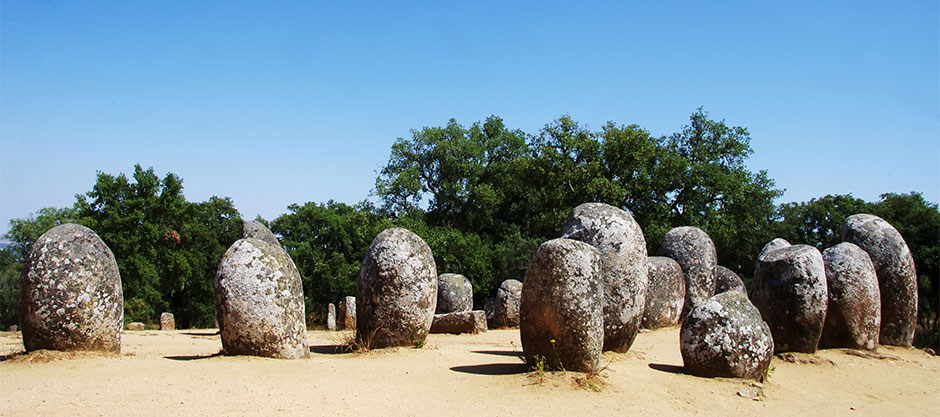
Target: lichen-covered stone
{"points": [[897, 278], [70, 293], [502, 311], [330, 316], [167, 321], [562, 314], [257, 230], [726, 337], [624, 267], [853, 317], [135, 326], [727, 280], [396, 293], [454, 293], [695, 252], [665, 294], [346, 314], [260, 302], [790, 292], [777, 243], [458, 322]]}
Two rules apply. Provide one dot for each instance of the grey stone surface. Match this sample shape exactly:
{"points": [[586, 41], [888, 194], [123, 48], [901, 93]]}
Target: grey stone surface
{"points": [[260, 302], [853, 316], [897, 278], [167, 321], [502, 311], [695, 252], [773, 245], [135, 326], [257, 230], [665, 294], [454, 293], [562, 314], [346, 314], [70, 293], [396, 293], [624, 267], [727, 280], [472, 322], [790, 292], [726, 337], [330, 316]]}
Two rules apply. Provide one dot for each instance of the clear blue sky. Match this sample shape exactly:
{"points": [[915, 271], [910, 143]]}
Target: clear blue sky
{"points": [[273, 103]]}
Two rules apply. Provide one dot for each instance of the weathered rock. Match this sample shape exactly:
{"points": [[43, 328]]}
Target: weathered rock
{"points": [[897, 278], [562, 315], [346, 315], [167, 322], [70, 293], [773, 245], [454, 293], [695, 252], [726, 337], [727, 280], [396, 293], [624, 267], [260, 302], [330, 316], [853, 316], [665, 295], [502, 311], [135, 326], [459, 322], [13, 328], [790, 292], [257, 230]]}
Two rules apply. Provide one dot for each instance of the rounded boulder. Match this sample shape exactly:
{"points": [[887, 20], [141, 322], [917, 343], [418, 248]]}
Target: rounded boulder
{"points": [[853, 317], [695, 252], [665, 295], [70, 293], [727, 280], [257, 230], [454, 294], [502, 311]]}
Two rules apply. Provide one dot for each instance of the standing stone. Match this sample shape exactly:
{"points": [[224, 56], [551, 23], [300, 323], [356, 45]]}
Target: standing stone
{"points": [[562, 314], [502, 311], [727, 280], [458, 322], [454, 293], [773, 245], [346, 315], [726, 337], [330, 316], [695, 252], [853, 317], [70, 293], [167, 322], [790, 292], [396, 293], [258, 230], [624, 267], [665, 295], [260, 302], [897, 278]]}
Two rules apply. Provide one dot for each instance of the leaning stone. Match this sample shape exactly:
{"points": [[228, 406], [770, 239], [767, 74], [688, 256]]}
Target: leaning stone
{"points": [[257, 230], [330, 316], [726, 337], [562, 314], [454, 293], [897, 278], [472, 322], [167, 322], [396, 293], [695, 252], [346, 314], [665, 295], [624, 267], [135, 326], [502, 311], [790, 292], [727, 280], [70, 293], [853, 317], [260, 302]]}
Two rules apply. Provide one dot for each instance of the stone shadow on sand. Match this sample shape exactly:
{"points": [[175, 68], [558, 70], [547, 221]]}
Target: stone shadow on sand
{"points": [[194, 357], [330, 349], [673, 369], [493, 369], [499, 353]]}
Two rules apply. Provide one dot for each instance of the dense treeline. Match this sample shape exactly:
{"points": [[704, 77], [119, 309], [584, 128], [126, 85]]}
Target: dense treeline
{"points": [[483, 197]]}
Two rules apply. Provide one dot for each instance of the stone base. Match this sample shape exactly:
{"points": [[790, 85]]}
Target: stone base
{"points": [[460, 322]]}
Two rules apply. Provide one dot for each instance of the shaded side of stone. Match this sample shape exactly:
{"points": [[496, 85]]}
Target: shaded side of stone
{"points": [[665, 295], [727, 280], [472, 322], [853, 317], [502, 311], [346, 314], [695, 252]]}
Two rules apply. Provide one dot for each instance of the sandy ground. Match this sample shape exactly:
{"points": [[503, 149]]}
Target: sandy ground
{"points": [[181, 373]]}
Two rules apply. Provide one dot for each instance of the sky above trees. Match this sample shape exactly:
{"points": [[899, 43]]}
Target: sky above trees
{"points": [[300, 101]]}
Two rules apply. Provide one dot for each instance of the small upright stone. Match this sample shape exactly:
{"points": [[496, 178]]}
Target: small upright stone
{"points": [[562, 314], [330, 316], [665, 295], [727, 280], [853, 317], [70, 293], [346, 315], [624, 267], [502, 311], [695, 252], [897, 278], [790, 292], [258, 230], [396, 293], [260, 302], [454, 293], [167, 322]]}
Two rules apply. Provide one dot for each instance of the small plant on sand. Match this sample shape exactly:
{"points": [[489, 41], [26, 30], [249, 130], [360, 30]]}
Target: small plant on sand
{"points": [[594, 380], [557, 358], [538, 366], [419, 341]]}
